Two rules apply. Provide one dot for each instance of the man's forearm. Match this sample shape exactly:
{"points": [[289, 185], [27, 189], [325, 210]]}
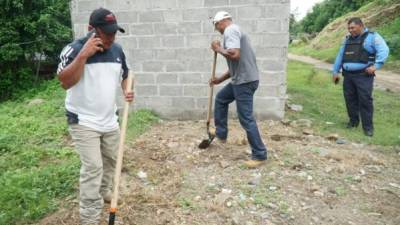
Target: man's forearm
{"points": [[73, 72]]}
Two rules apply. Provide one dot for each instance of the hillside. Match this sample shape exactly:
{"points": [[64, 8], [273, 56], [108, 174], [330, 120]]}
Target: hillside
{"points": [[381, 16]]}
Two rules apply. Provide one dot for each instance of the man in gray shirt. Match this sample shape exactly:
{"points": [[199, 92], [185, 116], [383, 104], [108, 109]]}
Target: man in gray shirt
{"points": [[244, 76]]}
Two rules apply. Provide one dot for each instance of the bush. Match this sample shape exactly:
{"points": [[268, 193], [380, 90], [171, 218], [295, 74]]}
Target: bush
{"points": [[30, 29]]}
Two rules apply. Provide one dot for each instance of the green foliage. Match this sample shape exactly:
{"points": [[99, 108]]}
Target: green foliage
{"points": [[38, 167], [390, 32], [30, 29], [323, 102], [326, 11]]}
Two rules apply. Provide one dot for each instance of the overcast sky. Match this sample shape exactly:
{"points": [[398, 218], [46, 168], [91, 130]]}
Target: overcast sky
{"points": [[301, 7]]}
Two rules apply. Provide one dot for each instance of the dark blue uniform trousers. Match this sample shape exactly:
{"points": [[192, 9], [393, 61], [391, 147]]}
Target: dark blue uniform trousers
{"points": [[357, 90]]}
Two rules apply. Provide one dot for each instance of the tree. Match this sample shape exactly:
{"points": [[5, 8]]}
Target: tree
{"points": [[32, 30]]}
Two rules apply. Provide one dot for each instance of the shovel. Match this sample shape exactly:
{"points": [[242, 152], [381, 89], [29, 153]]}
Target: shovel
{"points": [[211, 135], [114, 200]]}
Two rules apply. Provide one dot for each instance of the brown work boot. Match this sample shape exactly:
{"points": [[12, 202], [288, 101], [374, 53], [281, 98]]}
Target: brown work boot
{"points": [[254, 163]]}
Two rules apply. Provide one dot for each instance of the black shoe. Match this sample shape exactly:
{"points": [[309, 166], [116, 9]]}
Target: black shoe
{"points": [[351, 125], [369, 132]]}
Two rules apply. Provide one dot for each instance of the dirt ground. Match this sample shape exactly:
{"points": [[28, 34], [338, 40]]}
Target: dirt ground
{"points": [[308, 179]]}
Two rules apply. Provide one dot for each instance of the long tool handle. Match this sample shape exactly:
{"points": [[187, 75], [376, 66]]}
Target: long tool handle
{"points": [[117, 175], [211, 90]]}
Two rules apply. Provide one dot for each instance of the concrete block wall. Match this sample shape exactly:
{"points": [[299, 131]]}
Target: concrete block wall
{"points": [[167, 46]]}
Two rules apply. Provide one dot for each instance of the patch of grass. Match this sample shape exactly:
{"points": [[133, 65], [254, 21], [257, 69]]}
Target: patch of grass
{"points": [[323, 102], [37, 167]]}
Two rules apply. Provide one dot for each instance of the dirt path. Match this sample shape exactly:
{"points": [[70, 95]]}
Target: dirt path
{"points": [[308, 180], [384, 79]]}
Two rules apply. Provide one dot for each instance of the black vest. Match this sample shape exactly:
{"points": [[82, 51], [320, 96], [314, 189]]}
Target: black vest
{"points": [[354, 51]]}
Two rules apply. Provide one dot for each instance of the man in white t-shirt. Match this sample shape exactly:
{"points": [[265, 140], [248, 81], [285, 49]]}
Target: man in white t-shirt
{"points": [[91, 69], [244, 76]]}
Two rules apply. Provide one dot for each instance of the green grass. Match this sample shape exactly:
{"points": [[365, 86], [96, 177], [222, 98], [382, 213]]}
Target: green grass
{"points": [[323, 102], [37, 167]]}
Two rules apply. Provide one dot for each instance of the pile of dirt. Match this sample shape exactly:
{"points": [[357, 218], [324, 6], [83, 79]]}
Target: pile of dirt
{"points": [[308, 179]]}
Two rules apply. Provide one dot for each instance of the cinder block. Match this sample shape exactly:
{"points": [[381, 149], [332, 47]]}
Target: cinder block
{"points": [[183, 103], [195, 90], [170, 90], [165, 28], [150, 16], [127, 42], [190, 78], [153, 66], [167, 78], [250, 12], [144, 78], [213, 3], [173, 41], [149, 42], [173, 16], [142, 55], [163, 4], [175, 66], [189, 27], [115, 5], [195, 41], [278, 11], [190, 4], [196, 15], [141, 29], [126, 16], [142, 5], [267, 91], [89, 6], [268, 26], [166, 54], [269, 53], [146, 90]]}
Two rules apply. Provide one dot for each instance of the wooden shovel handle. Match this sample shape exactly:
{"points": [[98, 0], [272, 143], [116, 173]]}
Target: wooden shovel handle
{"points": [[120, 155], [211, 90]]}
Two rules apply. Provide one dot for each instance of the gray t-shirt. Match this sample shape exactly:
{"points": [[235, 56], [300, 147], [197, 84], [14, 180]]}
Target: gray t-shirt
{"points": [[245, 69]]}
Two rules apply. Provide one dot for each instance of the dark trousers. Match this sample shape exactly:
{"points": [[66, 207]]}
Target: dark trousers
{"points": [[243, 94], [357, 90]]}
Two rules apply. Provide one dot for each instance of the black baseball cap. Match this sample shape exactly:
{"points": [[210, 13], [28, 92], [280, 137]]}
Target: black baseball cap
{"points": [[105, 20]]}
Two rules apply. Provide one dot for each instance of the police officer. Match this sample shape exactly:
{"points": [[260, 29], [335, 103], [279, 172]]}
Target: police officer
{"points": [[361, 54]]}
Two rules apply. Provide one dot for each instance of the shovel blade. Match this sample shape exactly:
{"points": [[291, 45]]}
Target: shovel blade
{"points": [[205, 144]]}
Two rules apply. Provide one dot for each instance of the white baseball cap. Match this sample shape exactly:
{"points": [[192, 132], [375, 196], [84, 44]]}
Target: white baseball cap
{"points": [[220, 16]]}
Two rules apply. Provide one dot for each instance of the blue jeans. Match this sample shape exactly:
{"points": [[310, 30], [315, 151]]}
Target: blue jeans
{"points": [[243, 94]]}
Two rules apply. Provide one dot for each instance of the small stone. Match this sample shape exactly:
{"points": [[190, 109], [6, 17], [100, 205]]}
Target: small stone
{"points": [[173, 144], [36, 102], [272, 188], [142, 175], [276, 137], [235, 221], [357, 179], [332, 137], [315, 219], [256, 180], [329, 123], [309, 177], [197, 198], [341, 141], [328, 169], [302, 123], [362, 172], [286, 122], [229, 204], [224, 164], [296, 108], [394, 185], [308, 132], [272, 206], [318, 193]]}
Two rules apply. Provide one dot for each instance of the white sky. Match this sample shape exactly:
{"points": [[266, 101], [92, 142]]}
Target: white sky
{"points": [[301, 7]]}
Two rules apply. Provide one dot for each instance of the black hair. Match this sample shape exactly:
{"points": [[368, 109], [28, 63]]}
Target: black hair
{"points": [[356, 20]]}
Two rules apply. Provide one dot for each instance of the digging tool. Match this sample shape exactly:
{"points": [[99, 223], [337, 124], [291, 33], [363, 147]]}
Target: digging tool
{"points": [[117, 175], [211, 135]]}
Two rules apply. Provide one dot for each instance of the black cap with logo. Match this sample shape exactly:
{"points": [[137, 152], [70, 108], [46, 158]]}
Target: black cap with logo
{"points": [[105, 20]]}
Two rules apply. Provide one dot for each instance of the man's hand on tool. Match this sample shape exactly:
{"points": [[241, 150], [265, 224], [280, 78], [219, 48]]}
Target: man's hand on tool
{"points": [[215, 81], [129, 96], [215, 45]]}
